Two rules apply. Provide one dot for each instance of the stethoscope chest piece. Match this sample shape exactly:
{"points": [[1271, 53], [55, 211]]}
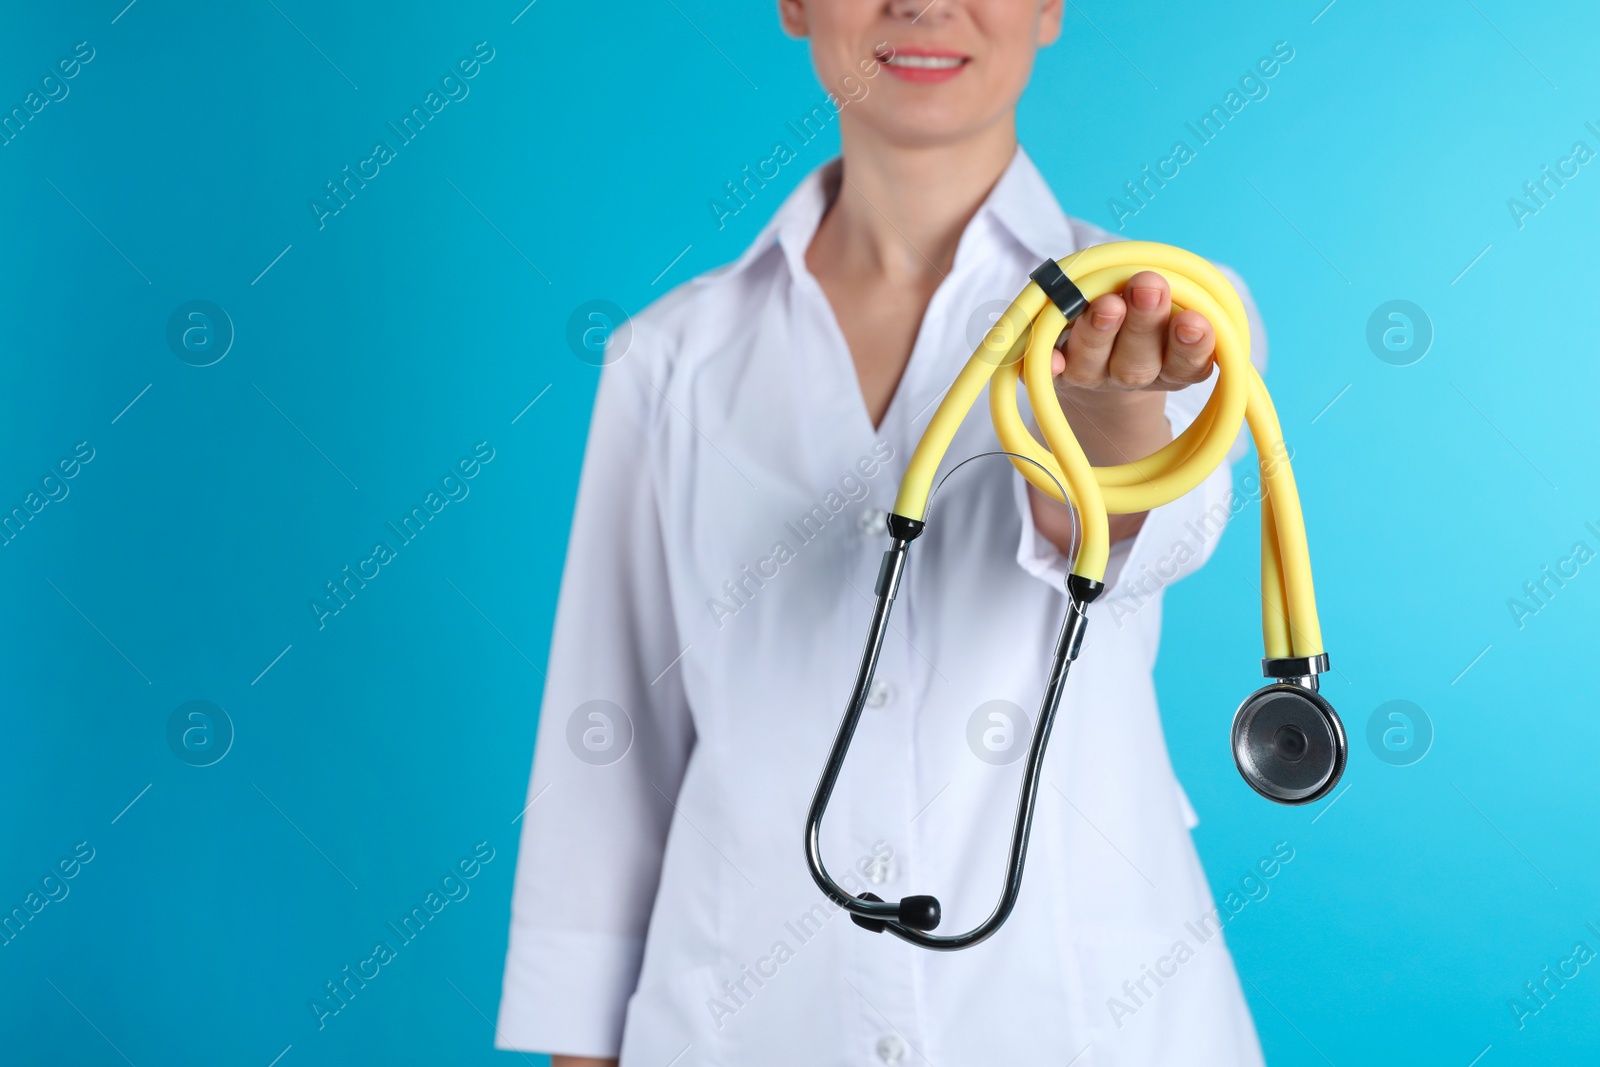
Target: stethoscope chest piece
{"points": [[1288, 743]]}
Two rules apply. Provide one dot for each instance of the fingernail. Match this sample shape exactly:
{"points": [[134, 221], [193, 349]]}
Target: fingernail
{"points": [[1146, 298], [1103, 320], [1190, 334]]}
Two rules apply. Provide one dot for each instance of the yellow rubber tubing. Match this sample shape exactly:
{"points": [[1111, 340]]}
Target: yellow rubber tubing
{"points": [[1020, 344]]}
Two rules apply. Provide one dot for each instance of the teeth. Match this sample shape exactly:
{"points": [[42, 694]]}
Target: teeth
{"points": [[925, 62]]}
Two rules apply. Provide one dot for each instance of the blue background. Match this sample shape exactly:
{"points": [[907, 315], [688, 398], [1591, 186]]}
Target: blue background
{"points": [[370, 355]]}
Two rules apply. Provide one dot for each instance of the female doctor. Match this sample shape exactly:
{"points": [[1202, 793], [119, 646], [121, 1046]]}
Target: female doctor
{"points": [[729, 524]]}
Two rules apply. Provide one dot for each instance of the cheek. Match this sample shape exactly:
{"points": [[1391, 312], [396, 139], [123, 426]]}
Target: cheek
{"points": [[841, 36], [1003, 73], [1011, 30], [835, 67]]}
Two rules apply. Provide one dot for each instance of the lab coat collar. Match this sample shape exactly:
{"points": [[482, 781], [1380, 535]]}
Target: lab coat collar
{"points": [[1021, 202]]}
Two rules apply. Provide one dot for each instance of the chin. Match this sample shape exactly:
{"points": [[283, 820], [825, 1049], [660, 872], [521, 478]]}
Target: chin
{"points": [[930, 127], [925, 116]]}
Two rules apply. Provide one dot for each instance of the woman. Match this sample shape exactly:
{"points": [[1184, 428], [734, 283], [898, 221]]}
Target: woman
{"points": [[728, 531]]}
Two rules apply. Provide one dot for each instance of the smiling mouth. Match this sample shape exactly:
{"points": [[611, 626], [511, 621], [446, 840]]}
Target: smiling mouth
{"points": [[916, 62], [922, 64]]}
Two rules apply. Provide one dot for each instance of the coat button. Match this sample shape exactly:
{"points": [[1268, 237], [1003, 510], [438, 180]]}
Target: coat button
{"points": [[891, 1049], [880, 694], [873, 521]]}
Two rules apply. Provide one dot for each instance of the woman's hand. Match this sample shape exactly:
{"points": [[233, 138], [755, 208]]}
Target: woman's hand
{"points": [[1113, 369], [1130, 343], [580, 1061]]}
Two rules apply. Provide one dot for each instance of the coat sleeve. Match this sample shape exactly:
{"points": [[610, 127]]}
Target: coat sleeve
{"points": [[613, 740], [1176, 538]]}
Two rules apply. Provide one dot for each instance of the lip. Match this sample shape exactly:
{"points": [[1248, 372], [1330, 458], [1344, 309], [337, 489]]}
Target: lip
{"points": [[923, 75]]}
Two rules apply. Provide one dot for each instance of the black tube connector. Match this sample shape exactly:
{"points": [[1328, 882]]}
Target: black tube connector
{"points": [[904, 529], [1084, 590]]}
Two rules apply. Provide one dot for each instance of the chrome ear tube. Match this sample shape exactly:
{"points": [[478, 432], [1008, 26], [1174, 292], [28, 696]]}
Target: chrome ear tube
{"points": [[910, 918]]}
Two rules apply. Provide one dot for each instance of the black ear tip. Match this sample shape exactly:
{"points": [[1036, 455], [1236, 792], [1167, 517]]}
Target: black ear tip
{"points": [[920, 912]]}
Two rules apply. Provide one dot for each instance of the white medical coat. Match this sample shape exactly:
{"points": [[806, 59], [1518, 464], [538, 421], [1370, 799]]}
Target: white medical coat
{"points": [[717, 589]]}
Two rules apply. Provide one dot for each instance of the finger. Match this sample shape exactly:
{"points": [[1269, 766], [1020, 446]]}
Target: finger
{"points": [[1191, 341], [1136, 355], [1090, 342]]}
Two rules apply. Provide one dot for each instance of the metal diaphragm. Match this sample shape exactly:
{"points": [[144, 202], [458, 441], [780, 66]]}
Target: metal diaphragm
{"points": [[1288, 743]]}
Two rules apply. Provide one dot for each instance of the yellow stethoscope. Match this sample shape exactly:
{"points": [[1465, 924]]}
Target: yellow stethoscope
{"points": [[1288, 742]]}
